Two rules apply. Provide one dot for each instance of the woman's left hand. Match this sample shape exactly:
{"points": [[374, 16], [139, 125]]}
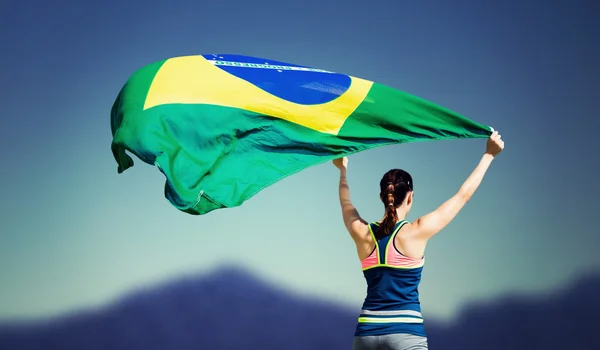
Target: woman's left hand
{"points": [[341, 163]]}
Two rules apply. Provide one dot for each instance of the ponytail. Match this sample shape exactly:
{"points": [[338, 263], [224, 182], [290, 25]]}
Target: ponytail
{"points": [[395, 185], [391, 217]]}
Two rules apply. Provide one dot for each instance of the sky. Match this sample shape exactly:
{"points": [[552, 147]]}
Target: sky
{"points": [[76, 234]]}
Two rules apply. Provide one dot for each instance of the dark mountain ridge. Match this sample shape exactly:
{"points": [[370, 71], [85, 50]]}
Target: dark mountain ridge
{"points": [[233, 309]]}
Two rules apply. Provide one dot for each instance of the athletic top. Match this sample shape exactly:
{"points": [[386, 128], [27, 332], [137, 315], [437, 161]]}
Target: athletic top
{"points": [[392, 303]]}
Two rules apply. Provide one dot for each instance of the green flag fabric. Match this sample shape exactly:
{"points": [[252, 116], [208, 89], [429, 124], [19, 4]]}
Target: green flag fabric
{"points": [[223, 127]]}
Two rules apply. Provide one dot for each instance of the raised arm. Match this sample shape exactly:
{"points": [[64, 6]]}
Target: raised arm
{"points": [[428, 225], [356, 226]]}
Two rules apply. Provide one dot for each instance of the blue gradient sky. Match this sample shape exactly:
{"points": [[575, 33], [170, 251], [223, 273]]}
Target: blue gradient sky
{"points": [[76, 234]]}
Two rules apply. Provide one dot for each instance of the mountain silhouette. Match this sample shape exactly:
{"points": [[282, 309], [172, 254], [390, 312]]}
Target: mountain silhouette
{"points": [[232, 309], [560, 319]]}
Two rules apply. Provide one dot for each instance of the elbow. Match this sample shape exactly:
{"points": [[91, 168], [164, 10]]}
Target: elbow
{"points": [[465, 196]]}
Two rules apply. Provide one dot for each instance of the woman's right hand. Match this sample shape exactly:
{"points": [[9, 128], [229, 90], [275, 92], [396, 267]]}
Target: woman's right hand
{"points": [[495, 144]]}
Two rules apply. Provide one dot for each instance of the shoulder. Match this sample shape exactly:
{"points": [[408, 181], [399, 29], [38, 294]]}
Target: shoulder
{"points": [[405, 229]]}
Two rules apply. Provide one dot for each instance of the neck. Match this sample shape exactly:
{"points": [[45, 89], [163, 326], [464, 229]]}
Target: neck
{"points": [[401, 213]]}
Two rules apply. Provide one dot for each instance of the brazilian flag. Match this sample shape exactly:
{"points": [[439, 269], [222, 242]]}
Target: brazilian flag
{"points": [[223, 127]]}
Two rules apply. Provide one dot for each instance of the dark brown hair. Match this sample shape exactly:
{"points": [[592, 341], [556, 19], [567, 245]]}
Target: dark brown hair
{"points": [[394, 187]]}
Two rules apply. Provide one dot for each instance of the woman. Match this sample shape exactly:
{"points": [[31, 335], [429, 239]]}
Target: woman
{"points": [[392, 254]]}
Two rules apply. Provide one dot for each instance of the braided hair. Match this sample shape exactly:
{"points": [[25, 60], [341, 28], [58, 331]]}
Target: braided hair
{"points": [[394, 186]]}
